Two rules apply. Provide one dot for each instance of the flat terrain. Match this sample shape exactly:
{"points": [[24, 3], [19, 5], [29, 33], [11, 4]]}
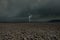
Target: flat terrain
{"points": [[29, 31]]}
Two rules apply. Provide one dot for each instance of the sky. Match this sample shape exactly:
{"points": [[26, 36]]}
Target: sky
{"points": [[24, 8]]}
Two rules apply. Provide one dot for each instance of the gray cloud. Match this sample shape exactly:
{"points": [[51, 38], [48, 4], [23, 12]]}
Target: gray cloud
{"points": [[21, 8], [11, 8]]}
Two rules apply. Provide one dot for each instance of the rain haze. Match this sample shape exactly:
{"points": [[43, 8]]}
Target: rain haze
{"points": [[20, 10]]}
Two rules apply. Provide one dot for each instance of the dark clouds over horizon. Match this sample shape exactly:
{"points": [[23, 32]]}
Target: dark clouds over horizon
{"points": [[23, 8]]}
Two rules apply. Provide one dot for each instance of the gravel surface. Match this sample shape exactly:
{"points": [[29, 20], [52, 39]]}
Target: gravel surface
{"points": [[29, 31]]}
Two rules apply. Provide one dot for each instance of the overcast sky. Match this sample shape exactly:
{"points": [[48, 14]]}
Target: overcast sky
{"points": [[11, 8], [17, 8]]}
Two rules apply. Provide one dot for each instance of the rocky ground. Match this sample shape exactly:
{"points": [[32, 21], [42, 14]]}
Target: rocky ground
{"points": [[29, 31]]}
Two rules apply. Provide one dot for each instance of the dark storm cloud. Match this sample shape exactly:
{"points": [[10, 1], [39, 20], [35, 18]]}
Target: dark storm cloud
{"points": [[22, 8], [11, 8]]}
